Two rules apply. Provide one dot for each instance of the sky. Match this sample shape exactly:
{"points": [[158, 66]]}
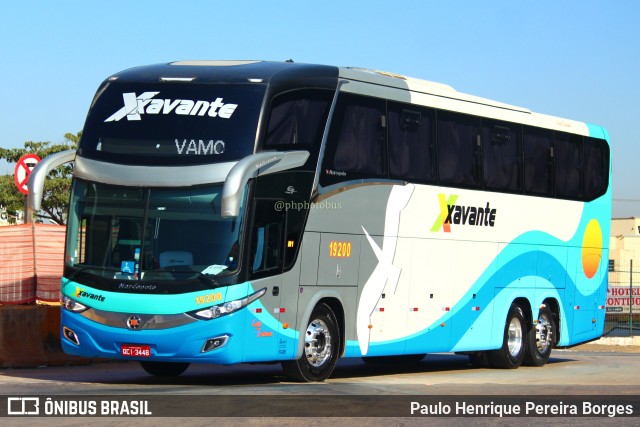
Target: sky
{"points": [[576, 59]]}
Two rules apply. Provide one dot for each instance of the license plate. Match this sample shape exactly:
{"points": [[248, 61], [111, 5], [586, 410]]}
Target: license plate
{"points": [[135, 350]]}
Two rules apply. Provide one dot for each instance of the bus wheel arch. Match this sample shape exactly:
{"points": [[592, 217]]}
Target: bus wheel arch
{"points": [[321, 348], [338, 311], [554, 306]]}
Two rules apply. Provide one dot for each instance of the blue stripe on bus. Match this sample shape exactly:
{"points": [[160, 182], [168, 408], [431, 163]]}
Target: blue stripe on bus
{"points": [[254, 333], [511, 275], [596, 131]]}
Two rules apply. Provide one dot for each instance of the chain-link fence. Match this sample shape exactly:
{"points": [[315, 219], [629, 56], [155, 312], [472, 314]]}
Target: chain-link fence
{"points": [[623, 300]]}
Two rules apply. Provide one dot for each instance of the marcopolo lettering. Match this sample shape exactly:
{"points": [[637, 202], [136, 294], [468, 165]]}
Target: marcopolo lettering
{"points": [[146, 103]]}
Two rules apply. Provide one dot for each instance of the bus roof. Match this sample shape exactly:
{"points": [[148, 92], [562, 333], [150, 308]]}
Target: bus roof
{"points": [[212, 72], [289, 74]]}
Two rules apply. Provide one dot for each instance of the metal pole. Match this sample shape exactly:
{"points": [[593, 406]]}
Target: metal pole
{"points": [[631, 297], [26, 219]]}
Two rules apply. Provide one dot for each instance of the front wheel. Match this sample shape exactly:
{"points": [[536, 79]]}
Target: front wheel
{"points": [[321, 347], [540, 339], [511, 354], [164, 369]]}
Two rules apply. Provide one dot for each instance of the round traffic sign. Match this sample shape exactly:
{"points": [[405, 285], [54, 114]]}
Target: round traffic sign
{"points": [[22, 171]]}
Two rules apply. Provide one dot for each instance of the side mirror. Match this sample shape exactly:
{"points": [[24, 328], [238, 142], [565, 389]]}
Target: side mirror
{"points": [[251, 166], [37, 177]]}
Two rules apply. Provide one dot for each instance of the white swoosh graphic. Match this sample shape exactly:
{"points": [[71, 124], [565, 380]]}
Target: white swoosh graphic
{"points": [[385, 272]]}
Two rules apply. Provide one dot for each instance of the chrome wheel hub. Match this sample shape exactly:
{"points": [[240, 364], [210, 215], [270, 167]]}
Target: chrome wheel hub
{"points": [[317, 343], [514, 338], [544, 334]]}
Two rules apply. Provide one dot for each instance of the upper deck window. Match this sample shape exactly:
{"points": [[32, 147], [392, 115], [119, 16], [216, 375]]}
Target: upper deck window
{"points": [[356, 148], [297, 119], [172, 123], [538, 161], [458, 150], [412, 143], [596, 167], [568, 165], [502, 157]]}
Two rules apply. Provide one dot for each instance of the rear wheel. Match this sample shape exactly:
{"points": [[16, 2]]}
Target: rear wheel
{"points": [[540, 339], [480, 359], [164, 369], [321, 347], [511, 354]]}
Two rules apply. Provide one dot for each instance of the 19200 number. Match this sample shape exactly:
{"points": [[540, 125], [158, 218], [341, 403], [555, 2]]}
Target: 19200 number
{"points": [[209, 298], [339, 249]]}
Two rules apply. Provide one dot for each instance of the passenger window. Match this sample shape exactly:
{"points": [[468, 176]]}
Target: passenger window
{"points": [[297, 119], [458, 150], [596, 161], [411, 143], [501, 156], [567, 150], [538, 161], [356, 145]]}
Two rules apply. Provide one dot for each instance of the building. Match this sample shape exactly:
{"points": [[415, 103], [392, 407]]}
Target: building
{"points": [[624, 267], [8, 219], [624, 243]]}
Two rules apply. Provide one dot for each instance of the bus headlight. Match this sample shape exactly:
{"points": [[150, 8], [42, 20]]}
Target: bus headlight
{"points": [[228, 307], [73, 305]]}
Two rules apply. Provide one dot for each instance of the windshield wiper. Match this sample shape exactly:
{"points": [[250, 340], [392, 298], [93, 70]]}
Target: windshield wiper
{"points": [[206, 277], [82, 269]]}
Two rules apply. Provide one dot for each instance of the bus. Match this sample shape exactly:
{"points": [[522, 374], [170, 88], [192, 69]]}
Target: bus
{"points": [[248, 211]]}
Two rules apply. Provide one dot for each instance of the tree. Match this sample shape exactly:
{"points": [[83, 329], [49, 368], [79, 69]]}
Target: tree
{"points": [[57, 185]]}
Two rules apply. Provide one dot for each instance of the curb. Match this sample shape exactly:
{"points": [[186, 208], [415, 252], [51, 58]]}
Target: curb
{"points": [[30, 337], [618, 341]]}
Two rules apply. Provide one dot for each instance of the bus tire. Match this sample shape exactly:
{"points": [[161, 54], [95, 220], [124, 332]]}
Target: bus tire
{"points": [[540, 339], [511, 354], [480, 359], [164, 369], [321, 347]]}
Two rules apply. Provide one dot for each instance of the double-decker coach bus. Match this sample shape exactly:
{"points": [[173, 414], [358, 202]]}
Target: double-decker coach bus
{"points": [[247, 211]]}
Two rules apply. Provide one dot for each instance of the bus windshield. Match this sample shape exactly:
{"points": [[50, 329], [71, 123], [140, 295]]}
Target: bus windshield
{"points": [[130, 233], [172, 124]]}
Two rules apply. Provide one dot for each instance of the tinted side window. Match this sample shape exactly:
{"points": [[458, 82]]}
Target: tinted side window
{"points": [[567, 151], [458, 150], [297, 119], [538, 161], [356, 145], [596, 162], [411, 143], [502, 166], [266, 239]]}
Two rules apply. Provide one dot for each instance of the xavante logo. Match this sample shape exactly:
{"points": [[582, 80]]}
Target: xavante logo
{"points": [[81, 293], [136, 105], [452, 213]]}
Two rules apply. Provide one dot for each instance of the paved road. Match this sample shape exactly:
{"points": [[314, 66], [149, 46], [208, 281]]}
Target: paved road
{"points": [[568, 373]]}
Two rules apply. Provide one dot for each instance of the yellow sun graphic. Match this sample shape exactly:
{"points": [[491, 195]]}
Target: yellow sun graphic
{"points": [[591, 248]]}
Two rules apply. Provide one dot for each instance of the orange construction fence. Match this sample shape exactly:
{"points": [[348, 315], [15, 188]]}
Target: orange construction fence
{"points": [[31, 263]]}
